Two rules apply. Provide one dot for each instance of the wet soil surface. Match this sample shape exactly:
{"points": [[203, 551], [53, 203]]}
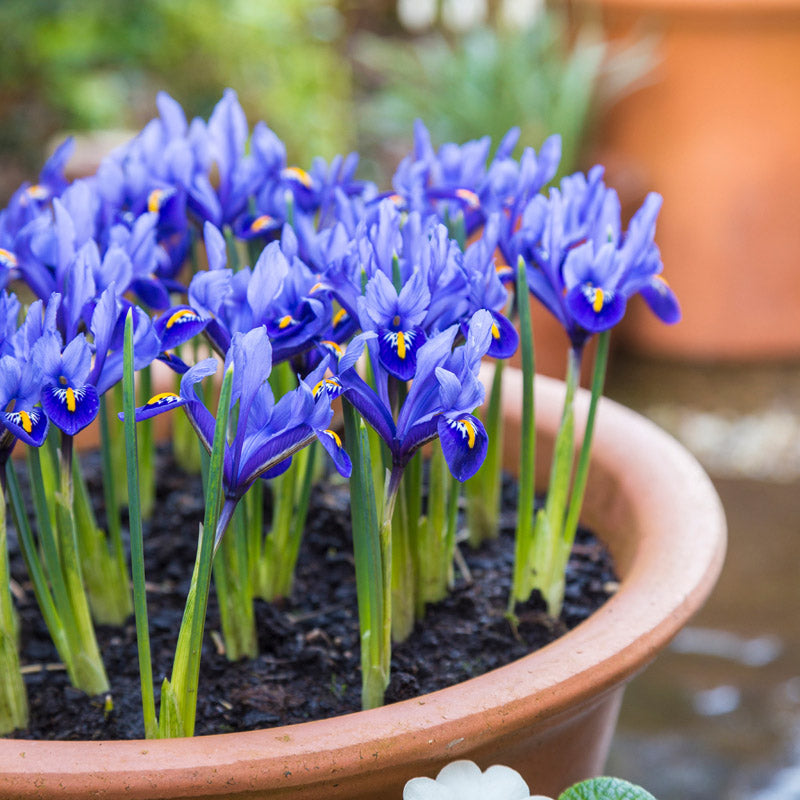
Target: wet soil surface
{"points": [[308, 667]]}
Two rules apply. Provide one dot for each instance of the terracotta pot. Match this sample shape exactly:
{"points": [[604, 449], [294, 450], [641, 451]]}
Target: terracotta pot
{"points": [[550, 715], [715, 131]]}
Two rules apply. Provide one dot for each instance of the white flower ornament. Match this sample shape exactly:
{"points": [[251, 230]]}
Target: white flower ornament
{"points": [[463, 780]]}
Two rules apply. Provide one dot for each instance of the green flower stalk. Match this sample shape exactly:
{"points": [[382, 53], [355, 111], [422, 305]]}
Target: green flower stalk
{"points": [[54, 567], [373, 574], [179, 692], [13, 696], [251, 437], [151, 727], [483, 490], [557, 523], [524, 567]]}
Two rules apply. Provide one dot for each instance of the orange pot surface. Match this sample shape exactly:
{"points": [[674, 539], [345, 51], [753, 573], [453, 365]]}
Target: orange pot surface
{"points": [[716, 133]]}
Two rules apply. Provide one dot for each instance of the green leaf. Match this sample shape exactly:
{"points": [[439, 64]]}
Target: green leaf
{"points": [[170, 720], [136, 534], [606, 789]]}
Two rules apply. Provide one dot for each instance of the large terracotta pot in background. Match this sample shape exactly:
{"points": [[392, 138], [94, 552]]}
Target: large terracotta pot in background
{"points": [[715, 132], [550, 715]]}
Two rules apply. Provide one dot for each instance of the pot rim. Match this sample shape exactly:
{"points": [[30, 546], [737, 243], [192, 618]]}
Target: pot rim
{"points": [[719, 7], [611, 646]]}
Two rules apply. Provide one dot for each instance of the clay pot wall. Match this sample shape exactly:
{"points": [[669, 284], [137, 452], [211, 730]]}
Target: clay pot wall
{"points": [[716, 132]]}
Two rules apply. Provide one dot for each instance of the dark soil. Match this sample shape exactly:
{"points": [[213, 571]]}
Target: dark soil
{"points": [[309, 664]]}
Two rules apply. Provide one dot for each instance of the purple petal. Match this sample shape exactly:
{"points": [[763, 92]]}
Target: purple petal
{"points": [[380, 299], [151, 291], [449, 387], [594, 308], [70, 408], [277, 470], [76, 360], [464, 443], [504, 337], [662, 300], [266, 281], [177, 326], [202, 369], [216, 252], [333, 444], [269, 453], [398, 351], [413, 301], [104, 321], [158, 404], [28, 426], [172, 116]]}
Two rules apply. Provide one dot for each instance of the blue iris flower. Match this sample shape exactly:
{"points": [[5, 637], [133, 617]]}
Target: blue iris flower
{"points": [[168, 155], [227, 136], [486, 289], [286, 190], [28, 212], [21, 416], [279, 292], [266, 432], [459, 176], [585, 267], [68, 399], [402, 248], [443, 393], [76, 375], [397, 320]]}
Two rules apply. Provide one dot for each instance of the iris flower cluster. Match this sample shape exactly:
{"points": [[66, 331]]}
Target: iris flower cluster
{"points": [[198, 246]]}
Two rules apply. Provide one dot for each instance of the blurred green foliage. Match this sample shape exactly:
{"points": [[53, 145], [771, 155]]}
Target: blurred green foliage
{"points": [[543, 78], [89, 64]]}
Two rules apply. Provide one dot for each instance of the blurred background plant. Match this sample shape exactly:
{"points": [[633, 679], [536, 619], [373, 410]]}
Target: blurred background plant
{"points": [[472, 68], [327, 75], [88, 65]]}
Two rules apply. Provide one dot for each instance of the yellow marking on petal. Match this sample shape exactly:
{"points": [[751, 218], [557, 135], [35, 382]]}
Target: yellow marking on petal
{"points": [[298, 174], [8, 256], [597, 302], [502, 269], [339, 316], [495, 331], [316, 391], [37, 192], [70, 400], [158, 398], [334, 436], [259, 223], [154, 200], [25, 419], [285, 322], [401, 345], [179, 316], [469, 197], [316, 287], [333, 346], [471, 432]]}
